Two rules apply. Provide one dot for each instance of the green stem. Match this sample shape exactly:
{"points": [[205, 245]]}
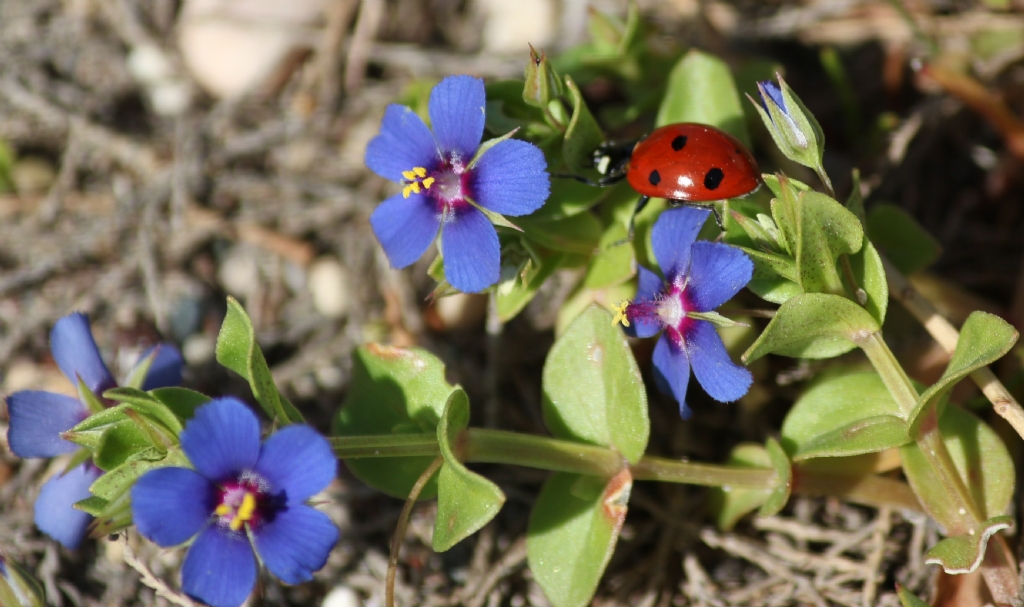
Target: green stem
{"points": [[500, 447], [889, 369]]}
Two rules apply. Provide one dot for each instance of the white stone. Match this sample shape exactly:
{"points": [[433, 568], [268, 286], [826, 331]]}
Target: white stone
{"points": [[149, 64], [342, 596], [232, 46], [329, 285], [462, 310], [510, 26], [198, 349], [239, 273], [170, 97], [329, 377]]}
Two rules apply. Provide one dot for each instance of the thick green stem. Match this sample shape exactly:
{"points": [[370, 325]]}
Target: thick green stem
{"points": [[960, 514], [501, 447]]}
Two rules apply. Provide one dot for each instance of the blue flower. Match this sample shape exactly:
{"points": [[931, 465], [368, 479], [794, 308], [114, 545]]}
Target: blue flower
{"points": [[444, 185], [37, 420], [699, 277], [771, 95], [239, 489]]}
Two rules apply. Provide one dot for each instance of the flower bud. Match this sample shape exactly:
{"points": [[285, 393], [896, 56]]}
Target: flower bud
{"points": [[542, 81], [791, 125]]}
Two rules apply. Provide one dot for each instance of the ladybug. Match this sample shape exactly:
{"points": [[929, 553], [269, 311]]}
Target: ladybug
{"points": [[685, 163]]}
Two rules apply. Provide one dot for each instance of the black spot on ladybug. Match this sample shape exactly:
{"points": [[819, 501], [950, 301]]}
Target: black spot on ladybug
{"points": [[679, 142], [655, 177], [713, 178]]}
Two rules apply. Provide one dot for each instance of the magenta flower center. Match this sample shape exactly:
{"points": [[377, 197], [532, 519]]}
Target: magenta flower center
{"points": [[246, 500], [669, 310], [447, 185]]}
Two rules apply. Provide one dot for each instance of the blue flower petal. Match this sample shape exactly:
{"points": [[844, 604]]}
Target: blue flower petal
{"points": [[76, 353], [54, 512], [472, 255], [170, 505], [672, 372], [37, 420], [722, 379], [717, 272], [165, 370], [296, 543], [405, 227], [673, 233], [220, 568], [511, 178], [649, 287], [774, 93], [404, 143], [223, 439], [456, 110], [298, 461]]}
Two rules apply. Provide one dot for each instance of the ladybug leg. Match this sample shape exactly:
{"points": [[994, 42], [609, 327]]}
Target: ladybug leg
{"points": [[718, 217]]}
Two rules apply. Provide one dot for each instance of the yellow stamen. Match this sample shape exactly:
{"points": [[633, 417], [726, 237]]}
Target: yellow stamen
{"points": [[429, 181], [409, 175], [222, 510], [420, 172], [412, 183], [620, 314]]}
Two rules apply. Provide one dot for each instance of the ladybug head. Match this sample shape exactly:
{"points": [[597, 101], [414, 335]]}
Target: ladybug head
{"points": [[611, 158]]}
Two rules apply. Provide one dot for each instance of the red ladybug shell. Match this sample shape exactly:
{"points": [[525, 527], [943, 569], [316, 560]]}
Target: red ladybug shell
{"points": [[692, 163]]}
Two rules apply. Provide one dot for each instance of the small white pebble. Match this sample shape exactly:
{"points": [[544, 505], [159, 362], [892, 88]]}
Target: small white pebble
{"points": [[329, 285], [239, 273], [149, 64], [342, 596], [329, 377], [199, 349], [462, 310], [170, 97]]}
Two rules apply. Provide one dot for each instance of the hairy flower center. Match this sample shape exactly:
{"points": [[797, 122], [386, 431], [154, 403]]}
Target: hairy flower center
{"points": [[447, 184], [245, 501], [668, 309]]}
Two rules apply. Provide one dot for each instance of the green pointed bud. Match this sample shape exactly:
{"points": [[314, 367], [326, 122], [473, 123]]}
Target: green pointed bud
{"points": [[542, 81], [18, 588], [792, 126]]}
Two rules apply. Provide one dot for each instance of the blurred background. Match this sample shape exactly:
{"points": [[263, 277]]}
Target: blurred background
{"points": [[157, 156]]}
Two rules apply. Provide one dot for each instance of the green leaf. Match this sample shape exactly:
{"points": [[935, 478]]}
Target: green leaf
{"points": [[731, 504], [984, 339], [770, 265], [615, 261], [516, 293], [905, 243], [147, 405], [91, 505], [119, 479], [776, 183], [466, 501], [964, 553], [17, 587], [908, 598], [868, 272], [119, 442], [825, 230], [393, 391], [701, 89], [779, 495], [572, 533], [181, 401], [578, 233], [583, 298], [775, 289], [583, 134], [981, 459], [237, 350], [593, 391], [569, 197], [843, 415], [813, 325]]}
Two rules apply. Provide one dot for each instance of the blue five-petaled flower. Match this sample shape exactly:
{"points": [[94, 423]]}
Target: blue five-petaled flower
{"points": [[443, 183], [699, 277], [37, 420], [239, 488]]}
